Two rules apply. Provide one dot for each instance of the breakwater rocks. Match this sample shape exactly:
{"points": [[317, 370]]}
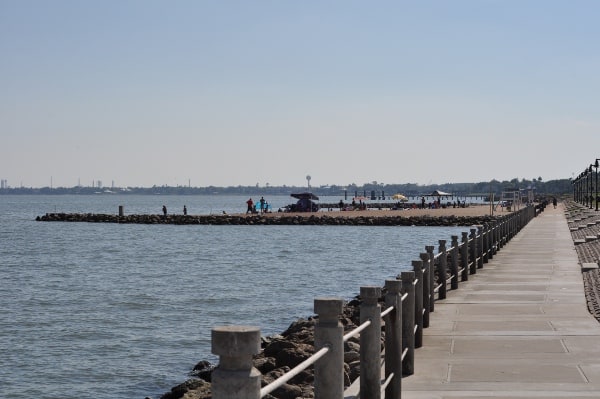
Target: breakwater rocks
{"points": [[271, 219], [279, 354]]}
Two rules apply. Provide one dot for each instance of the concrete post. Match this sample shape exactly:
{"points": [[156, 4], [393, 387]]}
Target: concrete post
{"points": [[429, 249], [393, 339], [329, 370], [427, 294], [236, 378], [418, 269], [370, 344], [454, 263], [121, 212], [442, 269], [473, 257], [479, 246], [408, 322], [486, 242], [493, 231], [464, 256]]}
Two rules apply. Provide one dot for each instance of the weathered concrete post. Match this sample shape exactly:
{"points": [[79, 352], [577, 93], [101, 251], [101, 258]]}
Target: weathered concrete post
{"points": [[236, 378], [473, 260], [370, 343], [464, 256], [418, 269], [408, 322], [480, 246], [430, 249], [454, 263], [329, 370], [442, 269], [427, 294], [493, 229], [486, 242], [121, 212], [393, 339]]}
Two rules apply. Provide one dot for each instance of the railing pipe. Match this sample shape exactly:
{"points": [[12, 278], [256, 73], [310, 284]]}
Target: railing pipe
{"points": [[329, 371], [408, 323], [370, 343], [393, 339], [236, 377]]}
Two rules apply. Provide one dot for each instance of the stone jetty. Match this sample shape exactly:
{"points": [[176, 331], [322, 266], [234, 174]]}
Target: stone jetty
{"points": [[326, 219]]}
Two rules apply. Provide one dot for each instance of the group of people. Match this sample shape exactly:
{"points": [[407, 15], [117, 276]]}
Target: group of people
{"points": [[263, 206], [164, 210]]}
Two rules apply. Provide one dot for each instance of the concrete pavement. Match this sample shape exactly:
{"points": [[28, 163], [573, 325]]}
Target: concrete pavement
{"points": [[517, 329]]}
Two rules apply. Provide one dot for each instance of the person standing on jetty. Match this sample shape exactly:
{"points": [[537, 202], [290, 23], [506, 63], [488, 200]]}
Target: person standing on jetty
{"points": [[250, 203], [184, 210], [164, 210], [262, 205]]}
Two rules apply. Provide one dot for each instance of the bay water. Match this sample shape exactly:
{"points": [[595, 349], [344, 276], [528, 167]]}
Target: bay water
{"points": [[125, 311]]}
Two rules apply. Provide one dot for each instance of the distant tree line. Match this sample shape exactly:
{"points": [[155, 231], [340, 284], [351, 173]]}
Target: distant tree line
{"points": [[552, 188]]}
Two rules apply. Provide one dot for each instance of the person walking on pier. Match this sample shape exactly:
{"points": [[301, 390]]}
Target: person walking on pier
{"points": [[184, 210], [250, 203], [164, 209]]}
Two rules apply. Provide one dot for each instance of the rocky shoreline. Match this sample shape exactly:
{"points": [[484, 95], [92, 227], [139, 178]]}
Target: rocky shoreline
{"points": [[280, 353], [273, 219]]}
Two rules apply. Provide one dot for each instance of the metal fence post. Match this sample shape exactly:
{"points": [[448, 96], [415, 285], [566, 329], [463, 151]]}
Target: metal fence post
{"points": [[454, 263], [393, 339], [408, 322], [418, 269], [329, 370], [235, 378], [370, 343]]}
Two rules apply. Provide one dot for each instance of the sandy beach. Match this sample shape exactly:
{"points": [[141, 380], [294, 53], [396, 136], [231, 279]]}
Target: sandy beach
{"points": [[473, 210]]}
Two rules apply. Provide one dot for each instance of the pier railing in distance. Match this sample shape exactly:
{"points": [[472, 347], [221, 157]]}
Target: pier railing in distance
{"points": [[409, 300]]}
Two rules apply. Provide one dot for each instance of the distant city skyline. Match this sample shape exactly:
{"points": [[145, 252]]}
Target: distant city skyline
{"points": [[228, 93]]}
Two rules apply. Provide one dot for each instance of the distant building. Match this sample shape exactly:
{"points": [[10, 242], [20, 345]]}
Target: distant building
{"points": [[3, 183]]}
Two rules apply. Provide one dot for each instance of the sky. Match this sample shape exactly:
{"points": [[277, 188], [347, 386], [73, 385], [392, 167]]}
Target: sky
{"points": [[227, 93]]}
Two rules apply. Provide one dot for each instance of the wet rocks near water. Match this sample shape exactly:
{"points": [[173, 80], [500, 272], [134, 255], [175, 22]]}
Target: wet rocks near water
{"points": [[282, 219], [280, 353]]}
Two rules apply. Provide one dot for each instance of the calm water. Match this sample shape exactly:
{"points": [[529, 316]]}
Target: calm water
{"points": [[125, 311]]}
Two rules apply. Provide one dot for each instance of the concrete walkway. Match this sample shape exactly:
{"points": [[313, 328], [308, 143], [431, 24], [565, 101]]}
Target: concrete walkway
{"points": [[517, 329]]}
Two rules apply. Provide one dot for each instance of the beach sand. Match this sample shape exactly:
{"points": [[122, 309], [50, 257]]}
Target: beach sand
{"points": [[473, 210]]}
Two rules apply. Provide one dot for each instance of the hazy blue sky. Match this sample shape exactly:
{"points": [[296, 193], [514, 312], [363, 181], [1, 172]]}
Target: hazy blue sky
{"points": [[244, 92]]}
